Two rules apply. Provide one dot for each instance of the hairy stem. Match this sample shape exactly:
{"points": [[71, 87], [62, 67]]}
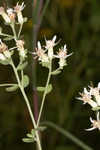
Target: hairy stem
{"points": [[45, 92], [28, 105]]}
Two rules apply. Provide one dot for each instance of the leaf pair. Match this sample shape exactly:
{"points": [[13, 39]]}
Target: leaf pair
{"points": [[42, 89]]}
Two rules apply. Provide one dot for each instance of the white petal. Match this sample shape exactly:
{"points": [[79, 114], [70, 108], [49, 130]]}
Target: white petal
{"points": [[90, 129], [39, 45], [54, 38], [65, 47], [91, 120]]}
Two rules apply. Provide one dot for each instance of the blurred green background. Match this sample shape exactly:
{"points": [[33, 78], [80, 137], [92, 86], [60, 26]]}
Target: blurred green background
{"points": [[77, 23]]}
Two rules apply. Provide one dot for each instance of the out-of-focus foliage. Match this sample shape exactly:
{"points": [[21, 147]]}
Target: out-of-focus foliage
{"points": [[77, 23]]}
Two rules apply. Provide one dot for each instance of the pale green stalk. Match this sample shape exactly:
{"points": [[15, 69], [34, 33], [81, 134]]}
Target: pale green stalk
{"points": [[20, 29], [28, 105], [7, 35], [14, 32], [7, 84], [45, 92]]}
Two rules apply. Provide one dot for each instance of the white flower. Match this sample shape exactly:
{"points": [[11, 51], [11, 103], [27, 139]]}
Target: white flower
{"points": [[18, 9], [96, 93], [49, 46], [50, 43], [95, 123], [11, 14], [41, 53], [4, 15], [86, 98], [62, 55]]}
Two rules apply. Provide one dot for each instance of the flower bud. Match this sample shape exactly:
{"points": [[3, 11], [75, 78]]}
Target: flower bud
{"points": [[4, 15], [18, 9]]}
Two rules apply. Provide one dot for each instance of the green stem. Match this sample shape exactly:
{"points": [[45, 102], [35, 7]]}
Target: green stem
{"points": [[45, 92], [7, 84], [3, 34], [20, 29], [28, 105], [68, 135], [14, 32]]}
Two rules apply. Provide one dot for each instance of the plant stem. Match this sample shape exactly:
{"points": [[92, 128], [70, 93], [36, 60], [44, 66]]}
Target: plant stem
{"points": [[20, 29], [14, 32], [7, 84], [45, 92], [28, 105], [68, 135]]}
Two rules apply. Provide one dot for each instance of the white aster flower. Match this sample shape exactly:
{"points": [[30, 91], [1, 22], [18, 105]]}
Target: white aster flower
{"points": [[95, 123]]}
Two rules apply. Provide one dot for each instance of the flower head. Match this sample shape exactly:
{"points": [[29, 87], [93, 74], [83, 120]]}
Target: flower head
{"points": [[62, 55], [20, 47], [11, 14], [91, 96], [41, 53], [50, 43], [95, 123], [19, 8], [4, 53], [3, 46], [2, 10], [95, 92], [86, 98], [4, 15]]}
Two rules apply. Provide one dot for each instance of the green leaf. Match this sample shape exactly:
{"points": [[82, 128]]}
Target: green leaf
{"points": [[28, 140], [29, 135], [42, 89], [56, 72], [22, 66], [33, 132], [5, 62], [25, 81], [8, 38], [12, 88]]}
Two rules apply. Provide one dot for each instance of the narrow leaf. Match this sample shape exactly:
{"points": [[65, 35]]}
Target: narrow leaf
{"points": [[8, 38], [42, 89], [22, 66], [29, 135], [12, 88], [28, 140], [56, 72]]}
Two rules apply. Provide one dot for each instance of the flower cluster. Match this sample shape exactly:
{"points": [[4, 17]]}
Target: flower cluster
{"points": [[91, 96], [10, 14], [46, 53], [9, 17], [4, 53]]}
